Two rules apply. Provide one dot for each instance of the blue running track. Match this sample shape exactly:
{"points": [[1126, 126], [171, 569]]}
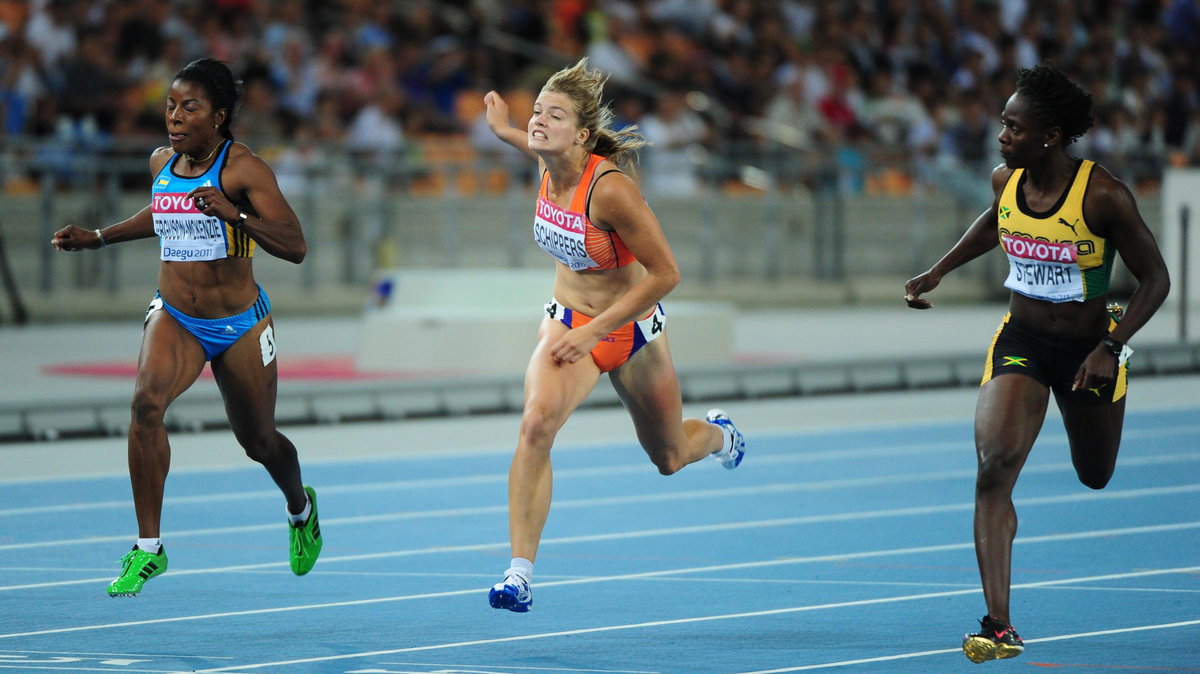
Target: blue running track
{"points": [[840, 549]]}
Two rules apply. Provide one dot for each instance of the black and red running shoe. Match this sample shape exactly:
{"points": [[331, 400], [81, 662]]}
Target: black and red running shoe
{"points": [[995, 641]]}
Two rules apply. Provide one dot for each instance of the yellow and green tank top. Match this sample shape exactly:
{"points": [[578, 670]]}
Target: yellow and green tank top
{"points": [[1053, 256]]}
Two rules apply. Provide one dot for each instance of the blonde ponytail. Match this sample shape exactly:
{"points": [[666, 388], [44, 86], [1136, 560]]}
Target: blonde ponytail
{"points": [[585, 87]]}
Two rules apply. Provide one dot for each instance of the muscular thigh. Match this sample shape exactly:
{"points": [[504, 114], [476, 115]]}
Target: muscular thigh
{"points": [[1094, 433], [170, 359], [1008, 418], [247, 374], [649, 389], [554, 389]]}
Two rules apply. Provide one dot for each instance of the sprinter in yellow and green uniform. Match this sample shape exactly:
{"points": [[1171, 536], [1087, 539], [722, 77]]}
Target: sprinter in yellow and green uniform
{"points": [[1061, 221]]}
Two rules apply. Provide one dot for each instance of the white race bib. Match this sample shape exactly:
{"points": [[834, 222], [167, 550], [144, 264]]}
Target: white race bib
{"points": [[562, 234], [1043, 270], [186, 234]]}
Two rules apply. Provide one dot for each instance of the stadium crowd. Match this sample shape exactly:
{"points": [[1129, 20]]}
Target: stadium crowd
{"points": [[918, 81]]}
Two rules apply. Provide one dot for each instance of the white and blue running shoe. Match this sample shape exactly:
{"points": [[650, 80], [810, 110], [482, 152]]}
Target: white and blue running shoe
{"points": [[731, 455], [512, 593]]}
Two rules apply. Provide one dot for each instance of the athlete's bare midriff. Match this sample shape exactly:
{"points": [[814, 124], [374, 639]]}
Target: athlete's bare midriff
{"points": [[1063, 319], [209, 289], [591, 292]]}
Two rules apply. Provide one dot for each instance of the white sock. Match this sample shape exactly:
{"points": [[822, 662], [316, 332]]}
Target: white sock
{"points": [[151, 545], [727, 443], [302, 516], [522, 567]]}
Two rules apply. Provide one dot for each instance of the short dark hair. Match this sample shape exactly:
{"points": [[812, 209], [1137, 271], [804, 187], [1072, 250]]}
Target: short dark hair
{"points": [[219, 85], [1056, 100]]}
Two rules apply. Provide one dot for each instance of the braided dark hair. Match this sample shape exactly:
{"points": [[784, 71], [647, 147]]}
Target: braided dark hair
{"points": [[1056, 100], [219, 85]]}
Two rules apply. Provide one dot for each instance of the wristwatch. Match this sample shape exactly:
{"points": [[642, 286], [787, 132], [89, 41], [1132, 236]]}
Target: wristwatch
{"points": [[241, 219], [1114, 347], [1120, 351]]}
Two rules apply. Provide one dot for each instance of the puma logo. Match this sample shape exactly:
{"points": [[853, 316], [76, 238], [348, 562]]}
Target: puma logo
{"points": [[1064, 222]]}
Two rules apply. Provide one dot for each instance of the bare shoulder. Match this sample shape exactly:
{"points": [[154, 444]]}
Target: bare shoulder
{"points": [[1104, 187], [159, 158], [613, 184], [1000, 175], [240, 153], [244, 166], [617, 201]]}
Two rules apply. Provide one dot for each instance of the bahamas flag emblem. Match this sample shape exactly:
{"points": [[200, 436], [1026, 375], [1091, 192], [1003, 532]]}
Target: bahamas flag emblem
{"points": [[1004, 211]]}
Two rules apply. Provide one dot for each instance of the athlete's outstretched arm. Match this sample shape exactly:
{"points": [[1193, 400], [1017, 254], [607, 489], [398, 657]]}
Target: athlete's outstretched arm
{"points": [[980, 237], [498, 122], [138, 226]]}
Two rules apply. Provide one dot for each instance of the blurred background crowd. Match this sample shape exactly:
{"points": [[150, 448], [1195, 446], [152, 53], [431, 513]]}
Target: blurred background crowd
{"points": [[920, 79], [831, 140]]}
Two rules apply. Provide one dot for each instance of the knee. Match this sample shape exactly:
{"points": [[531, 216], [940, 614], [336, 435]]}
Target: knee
{"points": [[146, 411], [538, 427], [668, 467], [995, 472], [260, 447], [667, 462], [1094, 478]]}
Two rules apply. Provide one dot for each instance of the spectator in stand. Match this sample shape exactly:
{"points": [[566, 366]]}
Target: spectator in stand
{"points": [[377, 130], [838, 107], [51, 32], [676, 135], [721, 49], [21, 84]]}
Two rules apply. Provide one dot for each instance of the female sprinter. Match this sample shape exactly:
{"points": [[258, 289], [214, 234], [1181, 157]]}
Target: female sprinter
{"points": [[213, 201], [1060, 220], [612, 266]]}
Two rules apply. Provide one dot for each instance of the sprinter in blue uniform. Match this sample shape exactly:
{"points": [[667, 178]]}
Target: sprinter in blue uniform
{"points": [[213, 203]]}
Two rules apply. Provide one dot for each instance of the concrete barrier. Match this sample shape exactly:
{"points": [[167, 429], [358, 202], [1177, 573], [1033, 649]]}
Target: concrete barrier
{"points": [[486, 320]]}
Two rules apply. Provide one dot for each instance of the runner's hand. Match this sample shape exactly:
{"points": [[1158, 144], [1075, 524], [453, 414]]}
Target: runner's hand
{"points": [[72, 238], [211, 201], [497, 112], [574, 345], [1098, 369], [918, 285]]}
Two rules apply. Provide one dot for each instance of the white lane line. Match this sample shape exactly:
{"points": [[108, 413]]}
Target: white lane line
{"points": [[609, 501], [466, 669], [728, 616], [61, 668], [863, 661], [710, 528], [115, 655], [640, 467], [846, 454], [921, 654], [673, 572]]}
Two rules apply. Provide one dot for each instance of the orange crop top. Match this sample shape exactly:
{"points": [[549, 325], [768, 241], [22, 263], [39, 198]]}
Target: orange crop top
{"points": [[568, 234]]}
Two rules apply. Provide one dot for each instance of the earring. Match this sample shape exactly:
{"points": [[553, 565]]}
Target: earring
{"points": [[1045, 144]]}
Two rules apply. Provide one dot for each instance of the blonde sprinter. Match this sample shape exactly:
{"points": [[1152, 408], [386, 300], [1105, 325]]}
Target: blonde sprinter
{"points": [[612, 267]]}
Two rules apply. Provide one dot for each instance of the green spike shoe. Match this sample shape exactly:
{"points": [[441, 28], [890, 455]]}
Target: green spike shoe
{"points": [[137, 567], [306, 539]]}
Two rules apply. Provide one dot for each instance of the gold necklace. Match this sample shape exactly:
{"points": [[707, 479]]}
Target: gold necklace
{"points": [[201, 161]]}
